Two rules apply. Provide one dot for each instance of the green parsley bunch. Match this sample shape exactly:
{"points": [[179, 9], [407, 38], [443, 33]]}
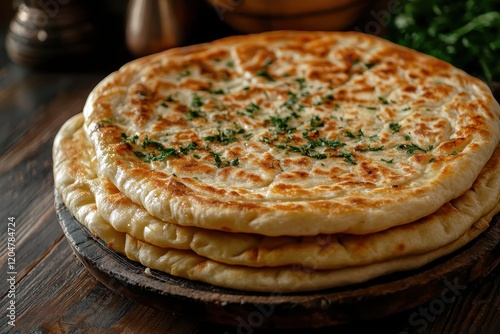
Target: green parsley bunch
{"points": [[463, 33]]}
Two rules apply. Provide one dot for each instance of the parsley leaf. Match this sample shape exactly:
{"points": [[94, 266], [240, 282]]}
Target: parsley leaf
{"points": [[394, 127], [347, 158], [281, 124], [463, 33], [192, 114], [252, 107], [383, 100], [131, 139], [196, 101], [411, 148], [224, 137], [316, 122], [263, 73]]}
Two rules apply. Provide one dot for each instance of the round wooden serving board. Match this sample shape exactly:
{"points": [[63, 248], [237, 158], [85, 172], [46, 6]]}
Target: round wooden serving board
{"points": [[376, 298]]}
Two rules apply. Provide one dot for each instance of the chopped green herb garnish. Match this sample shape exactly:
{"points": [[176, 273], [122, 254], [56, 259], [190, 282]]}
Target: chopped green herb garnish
{"points": [[224, 137], [217, 92], [148, 142], [159, 154], [432, 159], [411, 148], [218, 161], [281, 124], [406, 108], [190, 147], [407, 137], [305, 150], [105, 121], [139, 154], [234, 162], [454, 153], [185, 73], [383, 100], [247, 136], [374, 138], [263, 73], [291, 101], [394, 127], [332, 144], [170, 99], [221, 164], [230, 64], [349, 134], [164, 104], [347, 158], [165, 153], [192, 114], [196, 156], [252, 107], [330, 97], [196, 101], [388, 161], [369, 148], [131, 139], [319, 156], [316, 122], [264, 140], [302, 83]]}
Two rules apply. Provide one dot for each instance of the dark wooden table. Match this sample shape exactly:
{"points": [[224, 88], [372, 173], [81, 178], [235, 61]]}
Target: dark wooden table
{"points": [[54, 293]]}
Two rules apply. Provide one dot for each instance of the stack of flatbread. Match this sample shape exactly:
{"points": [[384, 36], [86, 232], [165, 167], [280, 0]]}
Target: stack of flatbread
{"points": [[284, 161]]}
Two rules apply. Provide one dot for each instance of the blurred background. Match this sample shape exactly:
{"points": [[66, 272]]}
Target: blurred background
{"points": [[76, 34], [55, 33]]}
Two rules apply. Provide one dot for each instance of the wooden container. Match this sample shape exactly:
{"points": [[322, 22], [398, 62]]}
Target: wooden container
{"points": [[49, 34], [263, 15]]}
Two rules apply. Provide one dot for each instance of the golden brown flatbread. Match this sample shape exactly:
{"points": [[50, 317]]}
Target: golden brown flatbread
{"points": [[74, 170], [292, 133], [284, 161], [445, 226]]}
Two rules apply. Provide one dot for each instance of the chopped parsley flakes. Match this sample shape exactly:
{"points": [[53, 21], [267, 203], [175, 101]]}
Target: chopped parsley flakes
{"points": [[221, 164], [394, 127], [131, 139], [412, 148], [383, 100], [225, 137], [263, 73]]}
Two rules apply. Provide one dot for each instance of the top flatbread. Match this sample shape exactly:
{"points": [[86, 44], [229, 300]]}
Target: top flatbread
{"points": [[74, 171], [292, 133]]}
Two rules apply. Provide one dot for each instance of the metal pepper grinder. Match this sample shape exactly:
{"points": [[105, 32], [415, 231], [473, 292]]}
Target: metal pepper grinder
{"points": [[156, 25], [50, 32]]}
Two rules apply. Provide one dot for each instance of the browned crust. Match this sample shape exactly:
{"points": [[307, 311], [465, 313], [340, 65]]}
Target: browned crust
{"points": [[464, 133]]}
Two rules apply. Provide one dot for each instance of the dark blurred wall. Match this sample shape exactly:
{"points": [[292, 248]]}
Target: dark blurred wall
{"points": [[6, 12]]}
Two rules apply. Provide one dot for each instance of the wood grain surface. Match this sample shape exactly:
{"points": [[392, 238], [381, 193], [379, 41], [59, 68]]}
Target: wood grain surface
{"points": [[55, 293], [437, 283]]}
